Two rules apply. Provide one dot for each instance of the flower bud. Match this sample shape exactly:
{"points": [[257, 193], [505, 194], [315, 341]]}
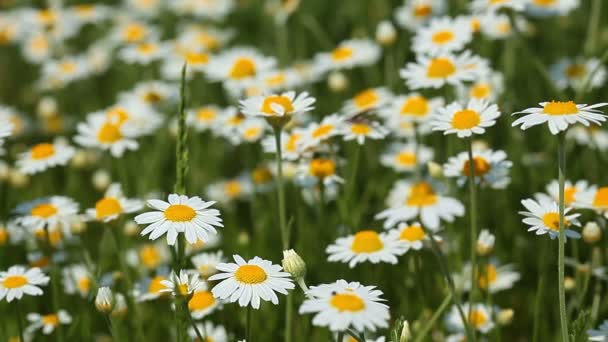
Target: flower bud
{"points": [[435, 170], [18, 179], [592, 232], [406, 334], [569, 283], [79, 160], [337, 81], [120, 306], [485, 243], [104, 301], [131, 228], [505, 316], [386, 33], [101, 180], [294, 264]]}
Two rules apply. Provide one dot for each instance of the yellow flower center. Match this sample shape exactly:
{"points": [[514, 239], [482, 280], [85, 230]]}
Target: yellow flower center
{"points": [[250, 274], [67, 67], [275, 80], [322, 130], [477, 318], [106, 207], [44, 210], [149, 256], [465, 119], [84, 284], [341, 53], [109, 133], [545, 3], [279, 100], [406, 158], [560, 108], [292, 142], [206, 114], [208, 41], [575, 70], [47, 16], [412, 233], [242, 68], [488, 277], [134, 33], [43, 151], [347, 302], [422, 10], [252, 132], [4, 235], [415, 105], [152, 97], [261, 175], [147, 48], [360, 129], [182, 289], [14, 282], [233, 188], [569, 194], [443, 37], [201, 300], [155, 284], [421, 194], [197, 58], [480, 165], [551, 220], [117, 116], [366, 241], [51, 319], [366, 99], [601, 198], [480, 91], [440, 68], [179, 213], [321, 167]]}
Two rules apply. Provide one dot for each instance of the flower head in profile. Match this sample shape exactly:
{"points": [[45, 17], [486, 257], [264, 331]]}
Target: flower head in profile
{"points": [[278, 109], [43, 156], [104, 300], [467, 120], [49, 322], [18, 280], [490, 168], [202, 302], [561, 115], [360, 130], [366, 101], [181, 214], [491, 277], [478, 316], [365, 245], [594, 197], [411, 236], [436, 72], [349, 54], [343, 305], [542, 216], [184, 284], [113, 204], [55, 212], [406, 157], [250, 282]]}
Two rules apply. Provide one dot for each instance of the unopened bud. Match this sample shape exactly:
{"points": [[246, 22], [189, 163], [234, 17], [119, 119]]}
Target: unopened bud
{"points": [[435, 170], [505, 316], [592, 232], [386, 33], [337, 81], [120, 306], [294, 264], [101, 180], [485, 243], [131, 228], [104, 301], [80, 159], [406, 334], [18, 179], [569, 283]]}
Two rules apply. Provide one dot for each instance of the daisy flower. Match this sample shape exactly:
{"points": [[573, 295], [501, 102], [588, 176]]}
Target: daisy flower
{"points": [[342, 305], [495, 5], [571, 191], [182, 214], [58, 73], [151, 93], [227, 191], [414, 107], [543, 217], [48, 323], [248, 282], [593, 198], [212, 241], [185, 284], [151, 289], [17, 281], [53, 212], [282, 105], [408, 200], [213, 333], [600, 334], [253, 129], [491, 277], [479, 317], [43, 156], [360, 130], [143, 53], [560, 115], [317, 170], [551, 7], [592, 137], [575, 72], [366, 245], [206, 263], [113, 204], [415, 13], [467, 120], [491, 168], [203, 118], [198, 60], [366, 100], [349, 54], [204, 9], [202, 302], [132, 32], [149, 255], [410, 236], [485, 242], [101, 133], [77, 279], [290, 141], [442, 35], [405, 157], [317, 133], [238, 64], [487, 87], [435, 72]]}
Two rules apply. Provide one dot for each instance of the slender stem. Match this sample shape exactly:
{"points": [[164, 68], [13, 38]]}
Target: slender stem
{"points": [[593, 28], [248, 333], [540, 291], [181, 150], [596, 262], [193, 324], [561, 158], [19, 320], [427, 327], [473, 221], [340, 337], [280, 189], [289, 317]]}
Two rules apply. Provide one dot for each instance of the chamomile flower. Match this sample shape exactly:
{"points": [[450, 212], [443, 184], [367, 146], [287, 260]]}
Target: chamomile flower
{"points": [[485, 242], [151, 288], [44, 156], [206, 263], [202, 302], [413, 107], [89, 13], [349, 54], [592, 137], [196, 58], [316, 133], [214, 10], [366, 100], [410, 236], [204, 118], [491, 168], [151, 93], [278, 105], [99, 132], [365, 245], [575, 72], [18, 280], [113, 204], [291, 146], [571, 191], [132, 32], [143, 53], [58, 73], [543, 217], [53, 212], [600, 334], [253, 129], [229, 190], [415, 13], [238, 64], [479, 317], [491, 277], [495, 5], [442, 35], [360, 130], [406, 157], [594, 197], [77, 279], [149, 256], [182, 214], [343, 305], [560, 115], [486, 87], [551, 7], [213, 333], [408, 200], [435, 72], [48, 323], [187, 283], [473, 118], [318, 170], [249, 282]]}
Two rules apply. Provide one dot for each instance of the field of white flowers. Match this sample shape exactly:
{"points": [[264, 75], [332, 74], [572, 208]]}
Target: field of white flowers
{"points": [[303, 170]]}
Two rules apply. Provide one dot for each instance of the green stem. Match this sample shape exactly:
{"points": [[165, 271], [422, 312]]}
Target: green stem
{"points": [[280, 189], [540, 291], [193, 324], [593, 28], [427, 327], [473, 221], [561, 157], [249, 315], [289, 318], [340, 337], [181, 150], [19, 320]]}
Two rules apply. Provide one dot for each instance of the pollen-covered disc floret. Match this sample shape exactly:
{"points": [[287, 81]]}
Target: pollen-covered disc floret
{"points": [[365, 245], [343, 305], [465, 120], [181, 214], [561, 115], [250, 282]]}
